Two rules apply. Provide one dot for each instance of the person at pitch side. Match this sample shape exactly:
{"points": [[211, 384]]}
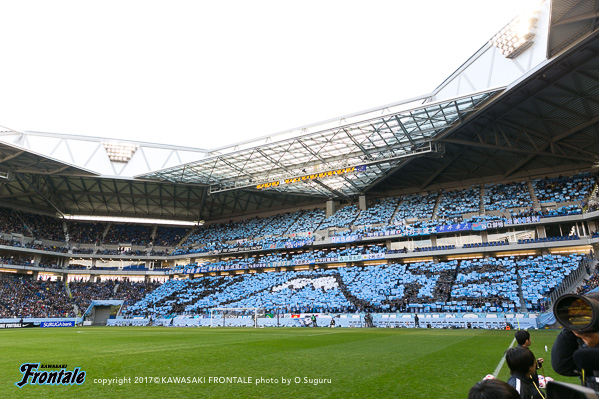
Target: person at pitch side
{"points": [[523, 339]]}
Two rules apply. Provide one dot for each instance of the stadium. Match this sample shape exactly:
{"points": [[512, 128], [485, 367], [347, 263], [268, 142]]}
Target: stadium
{"points": [[387, 253]]}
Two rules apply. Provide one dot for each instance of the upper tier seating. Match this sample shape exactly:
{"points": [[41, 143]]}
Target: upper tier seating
{"points": [[456, 203], [564, 189], [506, 196], [379, 211]]}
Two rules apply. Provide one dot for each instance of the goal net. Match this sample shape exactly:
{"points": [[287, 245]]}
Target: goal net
{"points": [[235, 317]]}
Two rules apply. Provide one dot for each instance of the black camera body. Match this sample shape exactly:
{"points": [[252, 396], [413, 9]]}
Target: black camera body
{"points": [[562, 390], [579, 314]]}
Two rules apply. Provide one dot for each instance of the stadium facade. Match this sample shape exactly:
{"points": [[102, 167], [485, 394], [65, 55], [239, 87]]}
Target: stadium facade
{"points": [[519, 116]]}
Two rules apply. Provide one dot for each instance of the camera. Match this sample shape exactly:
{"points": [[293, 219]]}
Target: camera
{"points": [[562, 390], [578, 313]]}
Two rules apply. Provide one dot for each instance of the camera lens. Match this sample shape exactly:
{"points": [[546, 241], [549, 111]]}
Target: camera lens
{"points": [[576, 312]]}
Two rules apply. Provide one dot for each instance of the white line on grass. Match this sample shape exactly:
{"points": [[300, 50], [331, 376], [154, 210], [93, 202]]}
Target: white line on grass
{"points": [[500, 365]]}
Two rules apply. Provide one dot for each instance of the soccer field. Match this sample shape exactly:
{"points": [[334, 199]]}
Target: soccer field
{"points": [[148, 362]]}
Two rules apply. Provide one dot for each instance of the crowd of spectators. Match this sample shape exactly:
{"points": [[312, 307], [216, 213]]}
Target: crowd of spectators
{"points": [[42, 227], [270, 242], [487, 284], [136, 267], [506, 196], [25, 297], [417, 206], [10, 222], [109, 251], [591, 206], [33, 245], [417, 209], [308, 221], [487, 244], [539, 276], [379, 211], [279, 224], [77, 267], [43, 247], [457, 202], [479, 285], [590, 283], [288, 259], [128, 234], [434, 248], [217, 235], [548, 239], [169, 236], [21, 260], [572, 209], [49, 264], [85, 232], [83, 250], [524, 213], [133, 292], [84, 292], [413, 217], [565, 189], [344, 217]]}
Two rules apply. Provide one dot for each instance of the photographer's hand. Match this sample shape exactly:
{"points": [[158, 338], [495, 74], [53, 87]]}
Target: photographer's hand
{"points": [[589, 338], [539, 363]]}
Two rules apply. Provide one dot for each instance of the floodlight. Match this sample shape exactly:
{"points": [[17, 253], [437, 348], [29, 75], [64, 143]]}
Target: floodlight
{"points": [[118, 219], [517, 35], [119, 152]]}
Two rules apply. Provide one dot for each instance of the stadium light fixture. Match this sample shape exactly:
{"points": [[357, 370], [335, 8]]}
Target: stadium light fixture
{"points": [[88, 218], [506, 254], [517, 35], [119, 152], [466, 257]]}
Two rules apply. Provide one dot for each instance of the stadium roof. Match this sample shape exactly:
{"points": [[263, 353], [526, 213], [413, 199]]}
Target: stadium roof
{"points": [[16, 159], [541, 117], [546, 123], [358, 153]]}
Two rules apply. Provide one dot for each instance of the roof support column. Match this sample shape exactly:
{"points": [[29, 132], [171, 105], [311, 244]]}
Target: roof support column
{"points": [[484, 236], [541, 232], [330, 208], [362, 202]]}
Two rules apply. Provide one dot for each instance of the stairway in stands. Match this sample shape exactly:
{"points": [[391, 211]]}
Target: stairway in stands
{"points": [[189, 233], [70, 295], [482, 200], [357, 302], [536, 205], [436, 207], [594, 196], [451, 277], [391, 220], [521, 294]]}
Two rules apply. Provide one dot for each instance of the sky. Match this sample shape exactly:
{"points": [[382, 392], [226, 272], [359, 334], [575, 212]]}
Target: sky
{"points": [[206, 74]]}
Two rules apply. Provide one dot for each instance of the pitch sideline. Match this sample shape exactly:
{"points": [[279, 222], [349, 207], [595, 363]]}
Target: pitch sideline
{"points": [[500, 365]]}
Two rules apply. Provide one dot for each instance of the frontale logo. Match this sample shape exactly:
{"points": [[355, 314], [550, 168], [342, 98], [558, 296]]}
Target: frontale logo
{"points": [[32, 376]]}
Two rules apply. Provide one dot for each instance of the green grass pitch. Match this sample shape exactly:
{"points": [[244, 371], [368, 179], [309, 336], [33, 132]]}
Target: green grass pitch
{"points": [[315, 362]]}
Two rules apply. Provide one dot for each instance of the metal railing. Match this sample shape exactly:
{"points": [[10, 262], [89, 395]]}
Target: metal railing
{"points": [[572, 280]]}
